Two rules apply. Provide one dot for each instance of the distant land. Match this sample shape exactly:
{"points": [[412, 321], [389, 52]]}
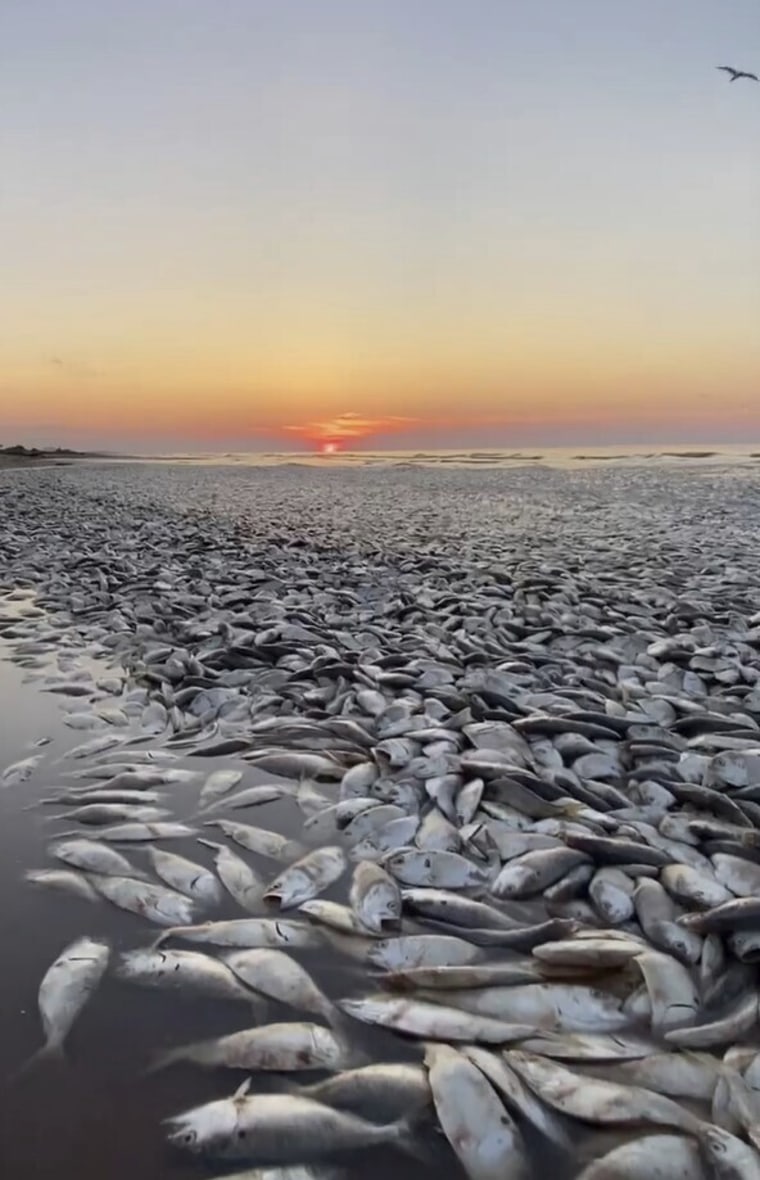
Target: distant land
{"points": [[17, 455]]}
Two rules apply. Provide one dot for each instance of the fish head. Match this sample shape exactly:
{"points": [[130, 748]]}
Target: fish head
{"points": [[716, 1144], [200, 1129]]}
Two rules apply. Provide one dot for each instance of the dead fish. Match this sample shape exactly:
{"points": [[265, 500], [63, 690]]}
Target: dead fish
{"points": [[238, 878], [337, 917], [278, 1128], [678, 1075], [433, 1021], [596, 1101], [455, 909], [92, 857], [139, 832], [382, 1093], [219, 783], [517, 1097], [65, 989], [448, 870], [736, 914], [309, 876], [591, 1048], [652, 1157], [247, 933], [421, 950], [672, 992], [108, 813], [296, 764], [277, 976], [182, 971], [534, 871], [562, 1007], [726, 1154], [611, 892], [258, 840], [729, 1028], [375, 897], [693, 887], [589, 952], [20, 772], [483, 1136], [62, 879], [250, 797], [154, 902], [658, 915], [185, 876], [285, 1048]]}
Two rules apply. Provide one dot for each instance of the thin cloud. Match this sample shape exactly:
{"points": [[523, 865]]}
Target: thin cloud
{"points": [[349, 426]]}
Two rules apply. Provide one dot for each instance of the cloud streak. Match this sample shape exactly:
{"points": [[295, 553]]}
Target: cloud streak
{"points": [[349, 427]]}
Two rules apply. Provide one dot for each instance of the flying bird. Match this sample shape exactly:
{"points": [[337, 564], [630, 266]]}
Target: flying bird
{"points": [[737, 73]]}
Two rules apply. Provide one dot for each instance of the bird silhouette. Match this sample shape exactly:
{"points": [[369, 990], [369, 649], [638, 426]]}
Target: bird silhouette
{"points": [[738, 73]]}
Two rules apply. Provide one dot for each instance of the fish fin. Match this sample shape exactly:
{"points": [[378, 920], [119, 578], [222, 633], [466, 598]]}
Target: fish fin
{"points": [[161, 938], [212, 844], [243, 1089]]}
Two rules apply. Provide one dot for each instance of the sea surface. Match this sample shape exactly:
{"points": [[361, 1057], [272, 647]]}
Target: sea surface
{"points": [[690, 454]]}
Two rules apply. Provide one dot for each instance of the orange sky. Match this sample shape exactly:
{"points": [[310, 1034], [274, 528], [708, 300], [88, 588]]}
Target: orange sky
{"points": [[276, 226]]}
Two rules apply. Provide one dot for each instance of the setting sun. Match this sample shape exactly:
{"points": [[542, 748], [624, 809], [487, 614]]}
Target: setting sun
{"points": [[329, 448]]}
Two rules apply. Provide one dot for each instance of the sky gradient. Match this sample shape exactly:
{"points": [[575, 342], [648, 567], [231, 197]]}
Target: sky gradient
{"points": [[239, 224]]}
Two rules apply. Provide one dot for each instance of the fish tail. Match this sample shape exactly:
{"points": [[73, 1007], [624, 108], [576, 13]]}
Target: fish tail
{"points": [[344, 1028], [405, 1134], [52, 1051], [164, 1060], [293, 850]]}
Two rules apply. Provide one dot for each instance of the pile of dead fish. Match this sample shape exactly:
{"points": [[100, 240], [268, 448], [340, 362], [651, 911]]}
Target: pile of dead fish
{"points": [[527, 771]]}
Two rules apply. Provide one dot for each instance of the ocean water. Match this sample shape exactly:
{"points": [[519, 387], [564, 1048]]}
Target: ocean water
{"points": [[709, 454]]}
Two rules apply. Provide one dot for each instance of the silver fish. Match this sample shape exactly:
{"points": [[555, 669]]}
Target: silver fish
{"points": [[185, 876], [652, 1157], [309, 876], [183, 971], [154, 902], [65, 989], [375, 897], [276, 975], [258, 840], [483, 1136], [247, 933], [238, 878], [596, 1101], [433, 1021], [381, 1093], [92, 857], [63, 879], [282, 1047], [278, 1128]]}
